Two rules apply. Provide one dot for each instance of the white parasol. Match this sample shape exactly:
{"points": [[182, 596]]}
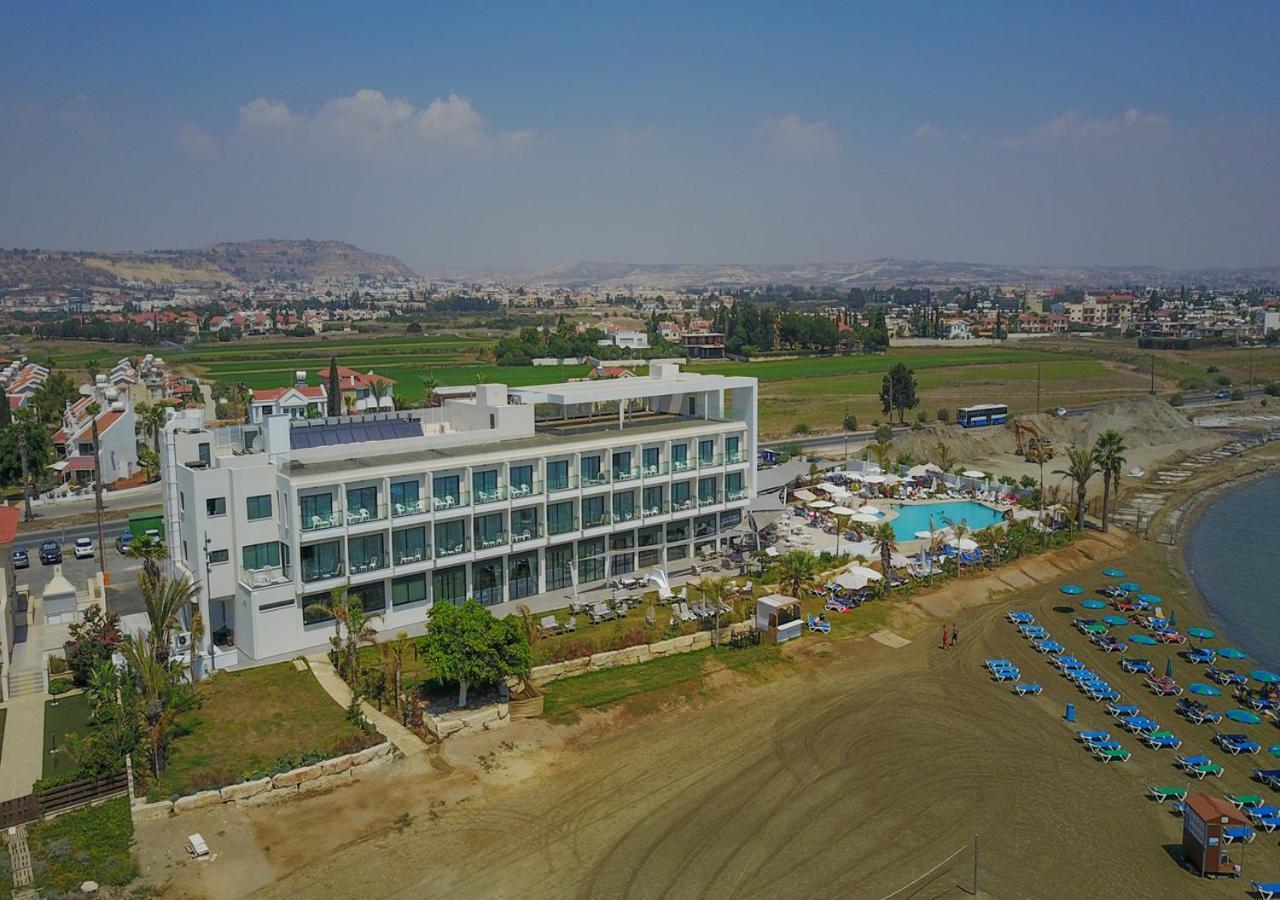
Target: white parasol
{"points": [[841, 511], [820, 504], [973, 473]]}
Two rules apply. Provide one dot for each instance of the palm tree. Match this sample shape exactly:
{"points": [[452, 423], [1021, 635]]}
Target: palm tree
{"points": [[989, 540], [885, 542], [393, 656], [156, 681], [1110, 454], [150, 420], [360, 631], [713, 592], [795, 571], [883, 452], [25, 423], [150, 550], [943, 457], [165, 599], [429, 385], [334, 608], [1082, 464]]}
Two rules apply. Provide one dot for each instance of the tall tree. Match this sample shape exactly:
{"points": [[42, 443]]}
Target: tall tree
{"points": [[898, 391], [885, 541], [1109, 450], [796, 570], [335, 388], [1082, 464], [467, 644]]}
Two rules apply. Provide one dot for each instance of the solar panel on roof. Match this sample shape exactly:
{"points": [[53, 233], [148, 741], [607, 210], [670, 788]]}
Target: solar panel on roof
{"points": [[357, 432]]}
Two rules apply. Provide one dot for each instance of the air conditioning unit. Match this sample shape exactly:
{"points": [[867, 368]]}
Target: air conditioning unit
{"points": [[182, 641]]}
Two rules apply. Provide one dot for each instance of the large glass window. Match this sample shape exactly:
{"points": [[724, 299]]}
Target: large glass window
{"points": [[559, 567], [733, 486], [488, 531], [593, 512], [316, 510], [621, 465], [449, 585], [704, 526], [486, 582], [446, 491], [522, 576], [404, 497], [521, 481], [366, 552], [732, 453], [678, 532], [650, 459], [730, 519], [372, 597], [313, 608], [524, 524], [409, 545], [261, 556], [589, 468], [409, 589], [648, 558], [680, 494], [362, 502], [451, 538], [321, 561], [679, 457], [651, 536], [624, 506], [706, 451], [258, 507], [591, 560], [558, 475], [707, 490], [560, 517], [215, 506], [484, 486], [653, 501]]}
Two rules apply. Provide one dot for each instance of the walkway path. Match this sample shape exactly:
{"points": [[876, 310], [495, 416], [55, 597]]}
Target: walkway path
{"points": [[404, 740], [22, 756]]}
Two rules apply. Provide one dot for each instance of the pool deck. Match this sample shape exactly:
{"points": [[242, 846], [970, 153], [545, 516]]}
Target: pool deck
{"points": [[818, 541]]}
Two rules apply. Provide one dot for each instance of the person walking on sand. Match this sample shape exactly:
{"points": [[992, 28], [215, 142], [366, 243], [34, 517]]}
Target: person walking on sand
{"points": [[955, 635], [944, 637]]}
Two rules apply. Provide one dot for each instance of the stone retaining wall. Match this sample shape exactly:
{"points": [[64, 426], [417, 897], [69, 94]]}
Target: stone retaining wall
{"points": [[468, 721], [325, 774], [630, 656]]}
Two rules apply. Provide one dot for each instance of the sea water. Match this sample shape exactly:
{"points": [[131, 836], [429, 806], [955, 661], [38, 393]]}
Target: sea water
{"points": [[1233, 555]]}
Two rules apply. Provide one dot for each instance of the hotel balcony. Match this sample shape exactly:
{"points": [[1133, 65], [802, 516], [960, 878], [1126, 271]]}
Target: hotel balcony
{"points": [[411, 508], [682, 505], [444, 551], [526, 491], [455, 500], [710, 462], [525, 535], [708, 500], [319, 523], [567, 483], [683, 465], [595, 479], [659, 509], [558, 528], [625, 475], [366, 516], [734, 495], [259, 579], [491, 495]]}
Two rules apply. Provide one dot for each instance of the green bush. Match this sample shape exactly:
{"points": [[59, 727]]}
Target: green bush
{"points": [[57, 665], [1223, 380], [60, 686], [1177, 399], [1237, 394], [944, 415], [884, 433], [800, 428], [1213, 370], [1273, 389]]}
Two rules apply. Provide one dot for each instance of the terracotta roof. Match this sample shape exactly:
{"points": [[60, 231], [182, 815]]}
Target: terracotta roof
{"points": [[306, 390], [80, 462], [8, 523]]}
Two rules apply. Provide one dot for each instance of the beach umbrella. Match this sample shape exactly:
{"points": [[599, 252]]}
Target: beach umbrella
{"points": [[820, 504], [1205, 690], [1203, 633], [1243, 716], [874, 479], [1072, 589], [841, 511], [864, 519], [870, 510], [1130, 586], [1153, 599], [923, 535], [857, 578], [1144, 639], [1264, 676], [1231, 653], [1095, 604], [965, 544], [1115, 620], [1173, 618], [1113, 573], [1168, 668], [1274, 749]]}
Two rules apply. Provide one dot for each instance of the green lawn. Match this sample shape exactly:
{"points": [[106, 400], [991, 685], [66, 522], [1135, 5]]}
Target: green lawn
{"points": [[68, 715], [251, 722], [89, 844], [772, 370]]}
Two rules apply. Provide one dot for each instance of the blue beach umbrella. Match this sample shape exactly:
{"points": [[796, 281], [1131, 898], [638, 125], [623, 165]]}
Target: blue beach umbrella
{"points": [[1264, 676], [1243, 716], [1203, 633], [1274, 749], [1071, 589], [1173, 618], [1115, 620], [1113, 573], [1153, 599], [1095, 604], [1130, 586], [1231, 653], [1144, 639], [1205, 690]]}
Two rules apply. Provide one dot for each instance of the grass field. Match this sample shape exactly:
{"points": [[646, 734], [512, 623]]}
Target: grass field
{"points": [[90, 844], [69, 715], [247, 722]]}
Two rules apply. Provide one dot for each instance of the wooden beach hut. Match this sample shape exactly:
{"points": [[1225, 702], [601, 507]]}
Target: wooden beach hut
{"points": [[1204, 820], [779, 616]]}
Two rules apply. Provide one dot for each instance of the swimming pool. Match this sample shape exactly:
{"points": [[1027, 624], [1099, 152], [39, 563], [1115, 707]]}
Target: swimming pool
{"points": [[915, 517]]}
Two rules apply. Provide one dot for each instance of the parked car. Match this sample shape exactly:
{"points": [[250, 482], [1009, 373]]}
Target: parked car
{"points": [[20, 559], [50, 553], [83, 548], [123, 540], [1222, 395], [1060, 412]]}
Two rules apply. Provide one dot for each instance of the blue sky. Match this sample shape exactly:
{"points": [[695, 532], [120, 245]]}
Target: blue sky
{"points": [[526, 135]]}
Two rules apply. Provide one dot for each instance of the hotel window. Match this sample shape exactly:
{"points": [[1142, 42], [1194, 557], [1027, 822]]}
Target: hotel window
{"points": [[261, 556], [215, 506], [362, 500], [704, 526], [624, 506], [593, 512], [730, 519], [678, 532], [521, 480], [372, 597], [733, 482], [589, 467], [591, 560], [558, 475], [650, 459], [651, 536], [488, 530], [366, 553], [410, 589], [217, 557], [522, 576], [559, 517], [731, 445], [524, 524], [451, 537], [622, 464], [679, 454], [648, 558], [449, 585], [486, 582], [446, 487], [559, 567], [409, 546], [706, 489], [312, 609], [706, 452], [316, 506], [680, 493], [484, 486], [320, 560], [652, 501], [258, 507], [404, 496]]}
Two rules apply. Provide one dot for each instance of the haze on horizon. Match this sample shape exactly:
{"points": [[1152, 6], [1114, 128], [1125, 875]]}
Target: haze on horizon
{"points": [[1099, 134]]}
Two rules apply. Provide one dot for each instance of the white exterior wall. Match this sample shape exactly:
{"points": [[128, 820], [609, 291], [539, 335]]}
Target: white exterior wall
{"points": [[118, 448]]}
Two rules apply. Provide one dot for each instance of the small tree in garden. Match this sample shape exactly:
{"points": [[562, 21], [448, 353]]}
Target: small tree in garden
{"points": [[468, 645], [885, 542], [796, 569], [93, 639], [713, 592]]}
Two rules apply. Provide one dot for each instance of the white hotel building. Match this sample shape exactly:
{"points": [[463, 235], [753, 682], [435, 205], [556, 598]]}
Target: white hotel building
{"points": [[502, 496]]}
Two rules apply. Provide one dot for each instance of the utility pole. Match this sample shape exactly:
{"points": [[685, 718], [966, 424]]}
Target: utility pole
{"points": [[975, 865], [1037, 389], [1250, 368], [846, 433]]}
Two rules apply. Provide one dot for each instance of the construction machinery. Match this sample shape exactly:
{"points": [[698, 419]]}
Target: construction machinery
{"points": [[1035, 448]]}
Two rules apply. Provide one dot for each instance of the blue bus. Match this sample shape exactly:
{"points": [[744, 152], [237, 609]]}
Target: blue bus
{"points": [[982, 414]]}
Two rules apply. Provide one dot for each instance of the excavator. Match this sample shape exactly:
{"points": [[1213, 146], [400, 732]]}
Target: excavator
{"points": [[1035, 448]]}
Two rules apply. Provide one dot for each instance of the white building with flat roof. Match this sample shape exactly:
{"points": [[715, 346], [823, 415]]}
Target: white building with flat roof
{"points": [[503, 494]]}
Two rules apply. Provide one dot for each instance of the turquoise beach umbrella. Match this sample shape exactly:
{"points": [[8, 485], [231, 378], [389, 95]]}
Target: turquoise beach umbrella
{"points": [[1151, 598], [1264, 676], [1203, 633], [1144, 639], [1243, 716], [1115, 620], [1205, 690], [1113, 573], [1071, 589], [1274, 749], [1231, 653], [1130, 586], [1095, 604]]}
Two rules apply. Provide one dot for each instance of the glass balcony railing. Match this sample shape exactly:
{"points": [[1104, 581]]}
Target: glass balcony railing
{"points": [[709, 500], [489, 541], [410, 508], [706, 462], [591, 479], [366, 514], [563, 483], [683, 465], [625, 474], [443, 551], [738, 456], [449, 501], [413, 555], [370, 564], [489, 495], [686, 503], [331, 519], [320, 573], [595, 521], [562, 527], [657, 509], [654, 470], [266, 577], [625, 515], [521, 535], [736, 494], [528, 489]]}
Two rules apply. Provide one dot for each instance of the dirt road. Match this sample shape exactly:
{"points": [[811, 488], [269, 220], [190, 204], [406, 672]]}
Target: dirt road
{"points": [[848, 779]]}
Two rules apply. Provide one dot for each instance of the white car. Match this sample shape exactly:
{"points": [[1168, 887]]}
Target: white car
{"points": [[83, 548], [1060, 411]]}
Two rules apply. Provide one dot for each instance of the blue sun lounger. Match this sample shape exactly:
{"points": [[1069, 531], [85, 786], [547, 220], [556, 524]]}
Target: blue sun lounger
{"points": [[1266, 811], [1267, 823], [1201, 656], [1189, 762], [1026, 690], [816, 624], [1018, 617], [1242, 833], [1162, 741], [1009, 674], [1265, 889], [1091, 737], [1104, 692], [1135, 666], [995, 663], [1048, 646], [1126, 710], [1034, 631], [1140, 724], [1066, 663], [1269, 777], [1236, 743]]}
